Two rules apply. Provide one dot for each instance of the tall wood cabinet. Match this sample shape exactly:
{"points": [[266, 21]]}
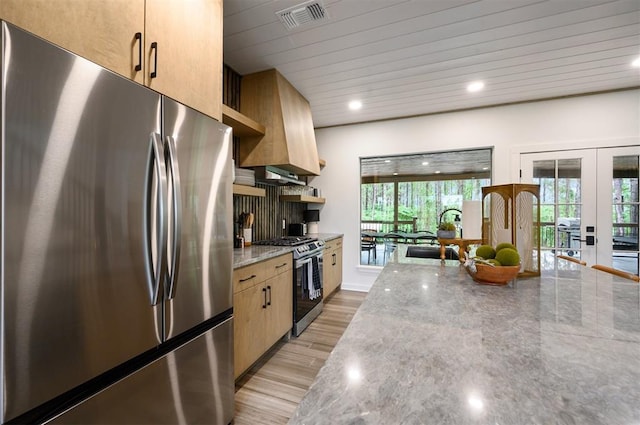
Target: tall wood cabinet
{"points": [[332, 266], [262, 308], [120, 35]]}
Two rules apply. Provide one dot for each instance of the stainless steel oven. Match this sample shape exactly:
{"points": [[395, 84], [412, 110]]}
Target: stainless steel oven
{"points": [[307, 278], [307, 284]]}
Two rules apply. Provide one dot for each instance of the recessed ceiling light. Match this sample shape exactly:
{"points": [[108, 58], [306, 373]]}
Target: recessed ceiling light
{"points": [[636, 63], [395, 174], [438, 172], [485, 168], [387, 160], [354, 105], [425, 163], [475, 86]]}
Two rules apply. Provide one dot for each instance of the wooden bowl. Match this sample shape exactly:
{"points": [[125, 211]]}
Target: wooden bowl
{"points": [[488, 275]]}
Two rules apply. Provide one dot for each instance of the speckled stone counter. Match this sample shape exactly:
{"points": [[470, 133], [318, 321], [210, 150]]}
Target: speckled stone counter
{"points": [[325, 236], [429, 346], [255, 253]]}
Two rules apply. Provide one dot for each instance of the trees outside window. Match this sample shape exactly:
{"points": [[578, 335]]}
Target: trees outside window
{"points": [[409, 193]]}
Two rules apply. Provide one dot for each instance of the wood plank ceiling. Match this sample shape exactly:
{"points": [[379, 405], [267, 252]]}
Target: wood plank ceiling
{"points": [[412, 57], [439, 165]]}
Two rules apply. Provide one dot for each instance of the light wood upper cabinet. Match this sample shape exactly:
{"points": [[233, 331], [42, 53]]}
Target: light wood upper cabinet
{"points": [[188, 37], [289, 141], [189, 52], [101, 31]]}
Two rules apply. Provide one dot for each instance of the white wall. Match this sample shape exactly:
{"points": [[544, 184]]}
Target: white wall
{"points": [[611, 119]]}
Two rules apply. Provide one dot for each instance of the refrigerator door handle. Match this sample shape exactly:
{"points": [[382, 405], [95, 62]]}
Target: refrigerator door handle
{"points": [[176, 216], [155, 230]]}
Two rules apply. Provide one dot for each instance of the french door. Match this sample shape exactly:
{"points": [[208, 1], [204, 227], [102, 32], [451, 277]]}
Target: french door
{"points": [[589, 204]]}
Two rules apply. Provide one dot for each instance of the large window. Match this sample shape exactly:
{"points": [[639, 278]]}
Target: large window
{"points": [[409, 195]]}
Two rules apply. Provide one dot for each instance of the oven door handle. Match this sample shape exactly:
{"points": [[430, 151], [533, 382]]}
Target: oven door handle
{"points": [[300, 263]]}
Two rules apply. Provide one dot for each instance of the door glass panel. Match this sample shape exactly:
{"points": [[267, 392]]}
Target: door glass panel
{"points": [[544, 172], [560, 200], [569, 181], [625, 210]]}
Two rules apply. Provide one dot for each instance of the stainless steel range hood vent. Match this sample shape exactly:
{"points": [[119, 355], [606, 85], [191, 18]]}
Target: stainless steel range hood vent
{"points": [[276, 176]]}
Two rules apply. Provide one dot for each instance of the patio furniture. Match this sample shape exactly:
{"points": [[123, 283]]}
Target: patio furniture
{"points": [[368, 243]]}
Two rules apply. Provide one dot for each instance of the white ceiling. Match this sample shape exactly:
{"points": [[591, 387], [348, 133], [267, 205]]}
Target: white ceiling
{"points": [[413, 57]]}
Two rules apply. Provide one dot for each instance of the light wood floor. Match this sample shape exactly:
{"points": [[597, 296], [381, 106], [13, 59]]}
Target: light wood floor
{"points": [[271, 390]]}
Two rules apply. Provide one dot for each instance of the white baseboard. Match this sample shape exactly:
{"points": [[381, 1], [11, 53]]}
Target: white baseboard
{"points": [[359, 287]]}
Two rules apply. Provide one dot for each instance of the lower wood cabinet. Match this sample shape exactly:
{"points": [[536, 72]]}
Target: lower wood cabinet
{"points": [[262, 308], [332, 266]]}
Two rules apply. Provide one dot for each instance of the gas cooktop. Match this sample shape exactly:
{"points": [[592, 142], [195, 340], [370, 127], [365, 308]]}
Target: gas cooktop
{"points": [[287, 241]]}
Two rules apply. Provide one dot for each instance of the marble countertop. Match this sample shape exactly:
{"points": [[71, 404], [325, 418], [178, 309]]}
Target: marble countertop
{"points": [[428, 345], [256, 253]]}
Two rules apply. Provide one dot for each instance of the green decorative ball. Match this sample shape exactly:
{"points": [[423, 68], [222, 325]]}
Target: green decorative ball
{"points": [[508, 257], [505, 245], [494, 262], [486, 251]]}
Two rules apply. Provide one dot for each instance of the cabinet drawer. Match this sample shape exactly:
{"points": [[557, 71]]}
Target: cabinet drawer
{"points": [[246, 277], [329, 246], [278, 265], [333, 244]]}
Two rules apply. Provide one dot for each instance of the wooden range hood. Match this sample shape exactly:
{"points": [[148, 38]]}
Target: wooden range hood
{"points": [[289, 141]]}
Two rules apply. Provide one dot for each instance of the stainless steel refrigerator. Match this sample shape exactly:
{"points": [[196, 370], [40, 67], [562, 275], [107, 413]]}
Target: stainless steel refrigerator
{"points": [[116, 301]]}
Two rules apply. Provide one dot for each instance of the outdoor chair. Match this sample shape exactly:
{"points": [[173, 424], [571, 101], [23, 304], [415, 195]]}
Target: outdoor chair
{"points": [[368, 243]]}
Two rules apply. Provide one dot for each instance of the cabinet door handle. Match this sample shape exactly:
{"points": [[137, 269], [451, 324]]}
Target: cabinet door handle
{"points": [[138, 37], [154, 47], [264, 291], [281, 265], [335, 259], [247, 278], [269, 289]]}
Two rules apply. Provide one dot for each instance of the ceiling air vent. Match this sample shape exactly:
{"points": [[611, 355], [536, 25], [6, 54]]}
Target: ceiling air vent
{"points": [[302, 14]]}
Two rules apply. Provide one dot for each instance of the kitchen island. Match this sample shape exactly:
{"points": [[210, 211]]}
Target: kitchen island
{"points": [[428, 345]]}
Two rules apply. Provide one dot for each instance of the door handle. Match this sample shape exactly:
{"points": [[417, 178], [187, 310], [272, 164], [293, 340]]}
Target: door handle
{"points": [[155, 202], [247, 278], [264, 292], [269, 291], [173, 268], [138, 37], [589, 240], [154, 48]]}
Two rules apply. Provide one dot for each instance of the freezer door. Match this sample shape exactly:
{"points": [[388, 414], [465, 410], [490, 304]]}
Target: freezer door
{"points": [[200, 217], [191, 385], [76, 299]]}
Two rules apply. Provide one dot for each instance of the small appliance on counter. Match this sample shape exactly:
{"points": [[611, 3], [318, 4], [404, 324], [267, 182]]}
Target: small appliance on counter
{"points": [[311, 219], [297, 229]]}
